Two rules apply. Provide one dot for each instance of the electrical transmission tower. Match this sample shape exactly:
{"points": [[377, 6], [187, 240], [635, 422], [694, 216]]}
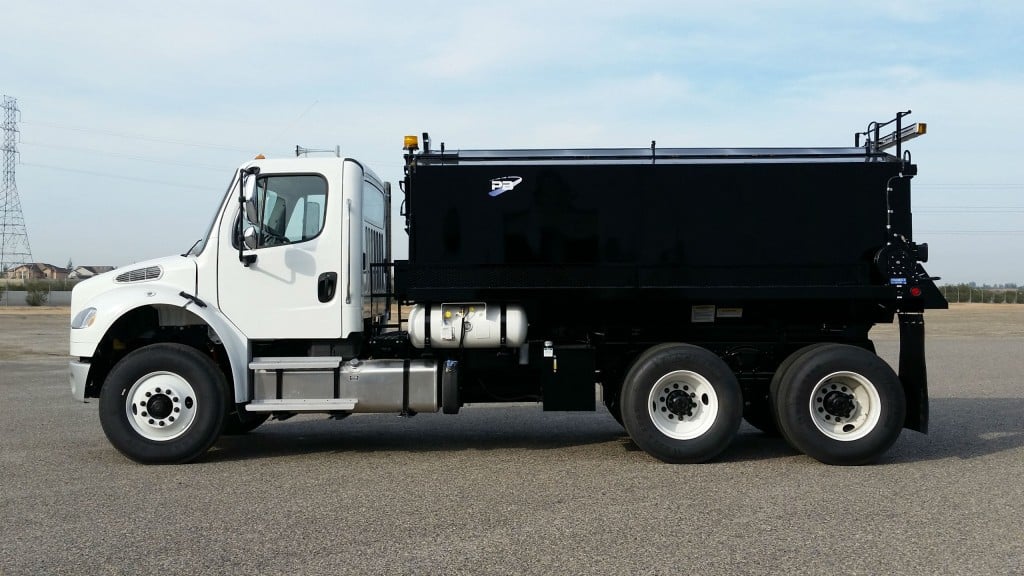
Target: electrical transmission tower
{"points": [[14, 248]]}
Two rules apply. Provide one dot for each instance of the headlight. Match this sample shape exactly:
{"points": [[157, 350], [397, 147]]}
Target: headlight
{"points": [[84, 319]]}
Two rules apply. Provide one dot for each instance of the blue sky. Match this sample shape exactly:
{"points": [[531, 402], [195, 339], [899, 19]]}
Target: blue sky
{"points": [[135, 113]]}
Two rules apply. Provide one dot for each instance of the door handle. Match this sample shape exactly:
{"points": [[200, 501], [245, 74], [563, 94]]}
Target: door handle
{"points": [[326, 286]]}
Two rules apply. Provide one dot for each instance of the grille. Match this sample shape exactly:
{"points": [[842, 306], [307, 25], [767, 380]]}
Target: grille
{"points": [[140, 275]]}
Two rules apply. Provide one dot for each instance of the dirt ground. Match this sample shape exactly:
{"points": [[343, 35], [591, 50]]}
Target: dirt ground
{"points": [[967, 320]]}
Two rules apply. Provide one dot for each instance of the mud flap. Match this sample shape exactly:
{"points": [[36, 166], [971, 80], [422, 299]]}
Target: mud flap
{"points": [[913, 371]]}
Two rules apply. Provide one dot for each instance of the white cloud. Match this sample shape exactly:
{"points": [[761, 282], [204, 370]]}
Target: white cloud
{"points": [[244, 76]]}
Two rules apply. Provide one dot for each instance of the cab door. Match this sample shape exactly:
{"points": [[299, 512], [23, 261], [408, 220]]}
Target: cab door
{"points": [[287, 283]]}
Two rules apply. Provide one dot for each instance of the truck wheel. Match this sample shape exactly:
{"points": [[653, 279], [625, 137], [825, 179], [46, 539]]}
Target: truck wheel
{"points": [[681, 403], [163, 403], [234, 425], [760, 412], [840, 404]]}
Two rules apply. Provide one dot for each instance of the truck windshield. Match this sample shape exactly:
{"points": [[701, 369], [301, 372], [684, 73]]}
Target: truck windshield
{"points": [[200, 245]]}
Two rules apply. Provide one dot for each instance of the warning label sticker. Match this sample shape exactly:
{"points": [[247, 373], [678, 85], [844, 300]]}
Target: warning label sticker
{"points": [[730, 312], [702, 313]]}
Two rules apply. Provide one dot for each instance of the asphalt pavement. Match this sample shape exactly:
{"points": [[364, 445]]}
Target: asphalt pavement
{"points": [[508, 490]]}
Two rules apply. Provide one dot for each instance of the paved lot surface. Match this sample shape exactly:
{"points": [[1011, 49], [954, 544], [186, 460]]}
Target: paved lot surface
{"points": [[515, 490]]}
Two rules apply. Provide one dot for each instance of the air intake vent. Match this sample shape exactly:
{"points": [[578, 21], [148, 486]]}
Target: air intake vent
{"points": [[140, 275]]}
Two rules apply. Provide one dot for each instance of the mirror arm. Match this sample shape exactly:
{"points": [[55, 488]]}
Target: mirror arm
{"points": [[243, 175]]}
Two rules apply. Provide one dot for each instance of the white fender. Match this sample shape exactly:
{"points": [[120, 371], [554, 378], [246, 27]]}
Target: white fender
{"points": [[113, 304]]}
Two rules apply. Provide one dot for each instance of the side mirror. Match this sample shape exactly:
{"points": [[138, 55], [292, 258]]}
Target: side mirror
{"points": [[250, 237], [252, 214]]}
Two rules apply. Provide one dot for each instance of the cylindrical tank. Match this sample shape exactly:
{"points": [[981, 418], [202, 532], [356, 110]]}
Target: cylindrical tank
{"points": [[467, 324]]}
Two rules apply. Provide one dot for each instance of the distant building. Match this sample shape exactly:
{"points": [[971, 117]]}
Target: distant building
{"points": [[83, 272], [37, 271]]}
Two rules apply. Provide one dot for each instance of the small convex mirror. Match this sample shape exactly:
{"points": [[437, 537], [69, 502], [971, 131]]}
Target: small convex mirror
{"points": [[250, 238]]}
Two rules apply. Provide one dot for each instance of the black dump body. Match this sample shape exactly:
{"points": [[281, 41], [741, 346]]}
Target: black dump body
{"points": [[823, 234]]}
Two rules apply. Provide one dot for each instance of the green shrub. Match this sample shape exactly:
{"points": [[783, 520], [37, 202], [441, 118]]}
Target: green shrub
{"points": [[37, 293]]}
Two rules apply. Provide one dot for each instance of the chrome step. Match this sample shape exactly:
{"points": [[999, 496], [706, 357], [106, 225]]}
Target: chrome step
{"points": [[296, 363], [298, 405]]}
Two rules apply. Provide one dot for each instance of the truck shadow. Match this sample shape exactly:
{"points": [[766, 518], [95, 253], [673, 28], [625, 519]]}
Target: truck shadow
{"points": [[963, 428], [482, 429]]}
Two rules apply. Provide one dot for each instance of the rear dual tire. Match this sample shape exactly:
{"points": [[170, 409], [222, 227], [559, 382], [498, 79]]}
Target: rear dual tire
{"points": [[839, 404]]}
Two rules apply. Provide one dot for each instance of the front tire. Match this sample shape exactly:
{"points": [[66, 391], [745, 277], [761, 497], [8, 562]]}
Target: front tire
{"points": [[681, 403], [840, 404], [163, 403]]}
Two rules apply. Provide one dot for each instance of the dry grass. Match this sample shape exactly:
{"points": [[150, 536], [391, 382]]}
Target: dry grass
{"points": [[35, 310]]}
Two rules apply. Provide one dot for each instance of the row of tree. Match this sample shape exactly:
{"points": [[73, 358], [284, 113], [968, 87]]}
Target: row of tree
{"points": [[965, 293]]}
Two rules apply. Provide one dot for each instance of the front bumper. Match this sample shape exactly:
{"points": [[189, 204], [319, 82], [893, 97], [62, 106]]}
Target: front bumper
{"points": [[78, 376]]}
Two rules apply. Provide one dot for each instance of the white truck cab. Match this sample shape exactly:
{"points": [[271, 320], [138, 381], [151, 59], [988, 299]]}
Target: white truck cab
{"points": [[287, 263]]}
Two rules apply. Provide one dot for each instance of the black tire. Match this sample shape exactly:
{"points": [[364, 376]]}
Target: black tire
{"points": [[234, 425], [760, 411], [699, 415], [840, 404], [163, 404]]}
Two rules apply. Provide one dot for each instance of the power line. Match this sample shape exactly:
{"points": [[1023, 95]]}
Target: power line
{"points": [[116, 176], [126, 156], [999, 186], [970, 232], [139, 137], [971, 210]]}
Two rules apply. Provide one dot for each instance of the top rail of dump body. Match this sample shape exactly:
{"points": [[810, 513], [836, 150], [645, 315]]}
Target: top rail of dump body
{"points": [[652, 155], [872, 150]]}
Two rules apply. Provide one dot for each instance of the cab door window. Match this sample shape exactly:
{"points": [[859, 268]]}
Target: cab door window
{"points": [[288, 209]]}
